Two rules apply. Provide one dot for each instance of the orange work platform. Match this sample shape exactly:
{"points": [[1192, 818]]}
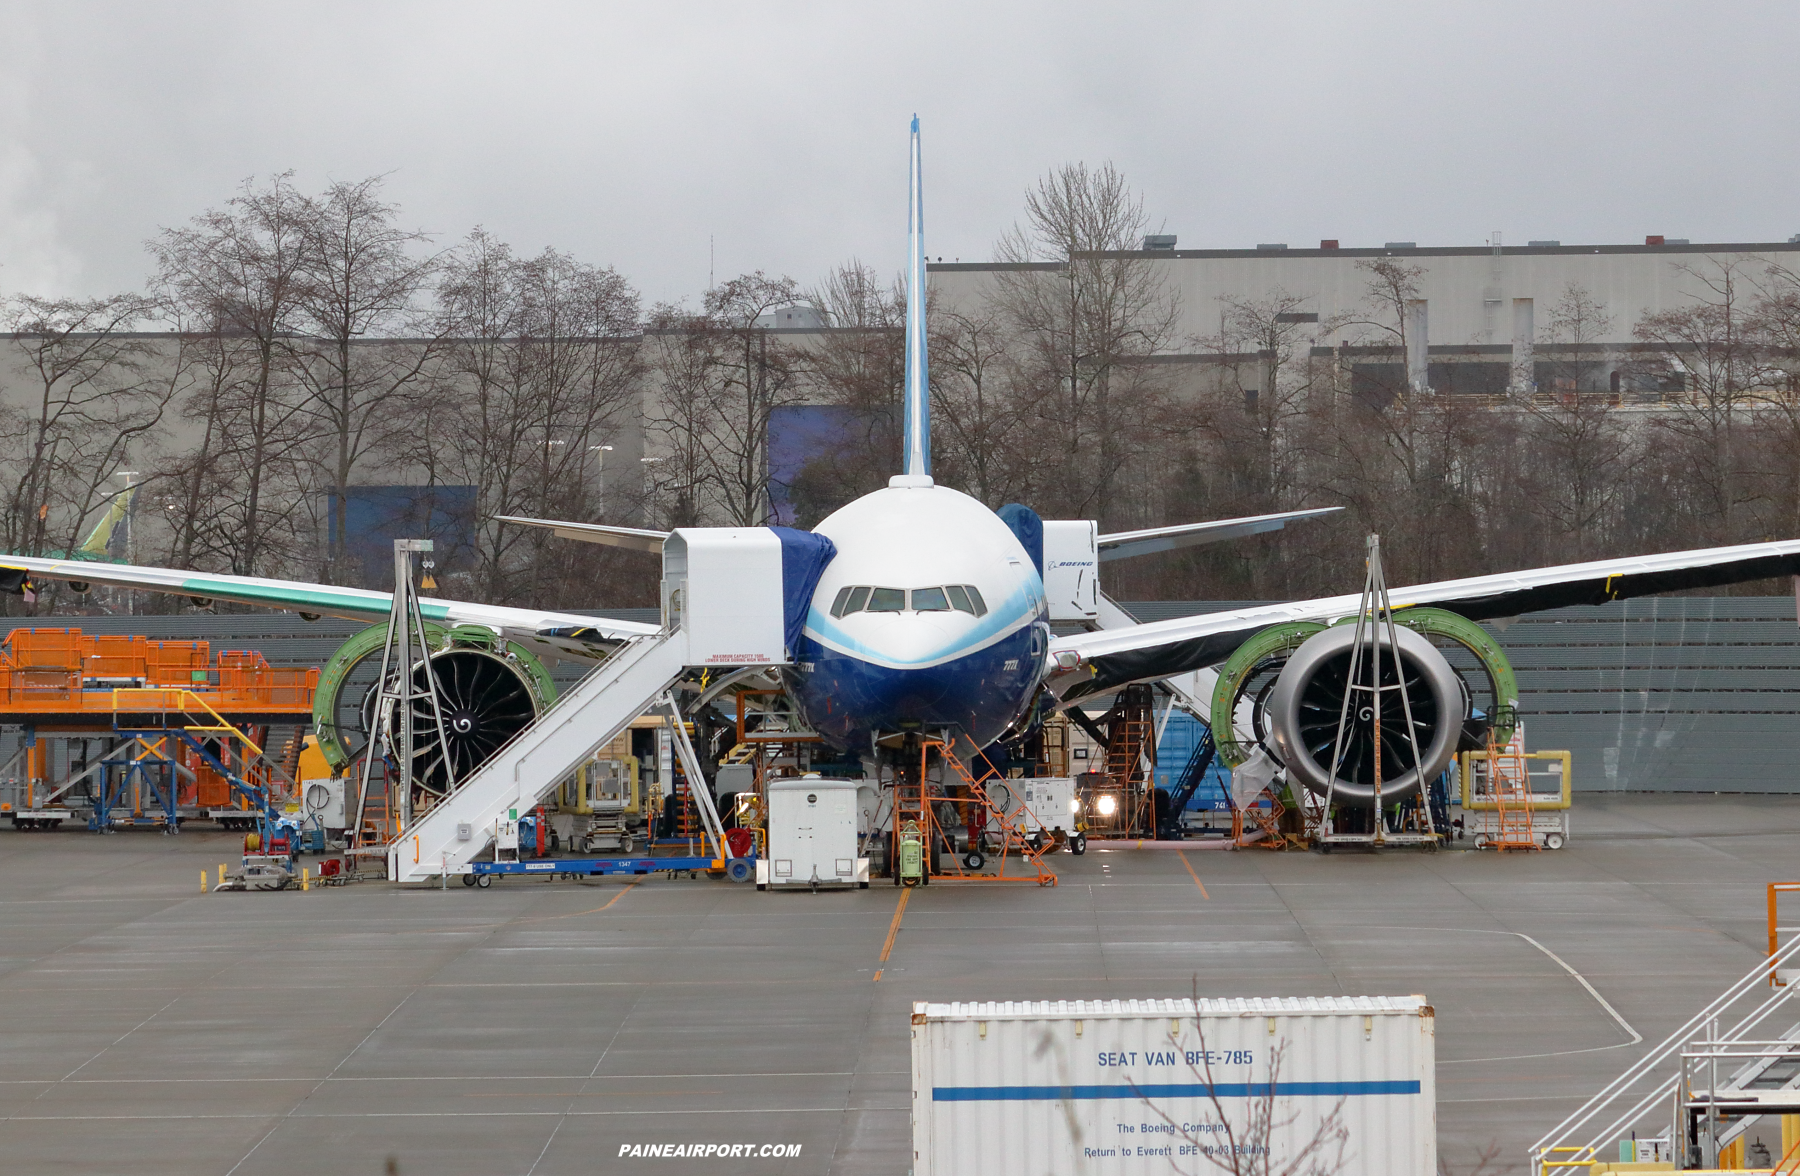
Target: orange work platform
{"points": [[62, 680]]}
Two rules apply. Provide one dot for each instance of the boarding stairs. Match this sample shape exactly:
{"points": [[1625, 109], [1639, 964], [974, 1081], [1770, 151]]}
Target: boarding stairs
{"points": [[1702, 1086], [723, 608], [583, 720], [1189, 782]]}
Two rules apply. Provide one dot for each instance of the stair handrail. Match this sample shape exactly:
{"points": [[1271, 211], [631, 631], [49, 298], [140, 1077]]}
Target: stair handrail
{"points": [[1671, 1045], [948, 750], [615, 662], [1198, 764]]}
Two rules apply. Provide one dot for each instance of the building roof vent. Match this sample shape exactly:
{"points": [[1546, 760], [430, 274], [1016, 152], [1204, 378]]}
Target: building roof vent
{"points": [[1276, 245], [1400, 245], [1544, 244], [801, 316], [1328, 243], [1676, 241], [1654, 241], [1159, 242]]}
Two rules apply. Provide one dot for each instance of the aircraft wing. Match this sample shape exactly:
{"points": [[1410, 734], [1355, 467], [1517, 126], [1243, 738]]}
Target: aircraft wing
{"points": [[569, 635], [1124, 544], [1083, 664], [633, 537]]}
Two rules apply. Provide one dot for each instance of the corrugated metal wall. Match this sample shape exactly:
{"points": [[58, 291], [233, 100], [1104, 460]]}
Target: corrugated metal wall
{"points": [[1671, 694]]}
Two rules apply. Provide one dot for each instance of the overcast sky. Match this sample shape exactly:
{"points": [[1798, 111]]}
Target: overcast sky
{"points": [[631, 134]]}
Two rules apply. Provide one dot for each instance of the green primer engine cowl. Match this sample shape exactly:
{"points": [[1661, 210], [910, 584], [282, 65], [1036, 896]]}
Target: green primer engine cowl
{"points": [[1285, 638], [489, 689]]}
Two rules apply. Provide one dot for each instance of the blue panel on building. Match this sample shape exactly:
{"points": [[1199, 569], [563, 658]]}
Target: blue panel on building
{"points": [[375, 516], [803, 434]]}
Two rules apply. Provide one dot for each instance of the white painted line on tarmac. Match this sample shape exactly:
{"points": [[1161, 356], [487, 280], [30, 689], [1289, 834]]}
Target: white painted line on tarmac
{"points": [[1561, 963]]}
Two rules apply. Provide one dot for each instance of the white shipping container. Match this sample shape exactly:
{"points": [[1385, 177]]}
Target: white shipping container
{"points": [[1077, 1087]]}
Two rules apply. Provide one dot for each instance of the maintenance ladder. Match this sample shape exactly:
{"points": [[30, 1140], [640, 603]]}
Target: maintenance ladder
{"points": [[1511, 785], [913, 802]]}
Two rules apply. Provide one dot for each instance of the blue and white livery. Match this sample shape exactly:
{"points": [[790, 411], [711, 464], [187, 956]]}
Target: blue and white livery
{"points": [[933, 614]]}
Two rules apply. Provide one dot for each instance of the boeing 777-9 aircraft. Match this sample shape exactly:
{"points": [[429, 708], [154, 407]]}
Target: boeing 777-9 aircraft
{"points": [[935, 612]]}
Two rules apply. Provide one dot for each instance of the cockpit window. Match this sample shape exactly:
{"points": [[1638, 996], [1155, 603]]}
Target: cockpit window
{"points": [[930, 600], [887, 600], [961, 597], [849, 600]]}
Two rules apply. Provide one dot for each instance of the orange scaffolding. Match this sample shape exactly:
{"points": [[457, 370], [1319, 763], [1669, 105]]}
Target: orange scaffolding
{"points": [[64, 683]]}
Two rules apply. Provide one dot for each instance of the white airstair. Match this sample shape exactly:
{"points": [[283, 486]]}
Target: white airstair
{"points": [[1729, 1064], [722, 607]]}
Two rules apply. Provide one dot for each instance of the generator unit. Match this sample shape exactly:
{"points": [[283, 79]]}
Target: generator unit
{"points": [[323, 803], [812, 835], [1044, 808]]}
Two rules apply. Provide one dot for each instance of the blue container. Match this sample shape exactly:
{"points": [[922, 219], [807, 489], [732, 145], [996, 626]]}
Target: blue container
{"points": [[1179, 738]]}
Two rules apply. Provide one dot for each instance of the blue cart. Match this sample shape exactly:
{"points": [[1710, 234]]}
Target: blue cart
{"points": [[483, 873]]}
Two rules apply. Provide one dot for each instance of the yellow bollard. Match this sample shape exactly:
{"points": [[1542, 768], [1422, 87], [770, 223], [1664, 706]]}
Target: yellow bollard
{"points": [[305, 878], [221, 873], [202, 881]]}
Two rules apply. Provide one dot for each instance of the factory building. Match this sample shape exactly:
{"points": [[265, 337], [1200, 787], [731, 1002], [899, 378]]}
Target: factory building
{"points": [[1480, 320]]}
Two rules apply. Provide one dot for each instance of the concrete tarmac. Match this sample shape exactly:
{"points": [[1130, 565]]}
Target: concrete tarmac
{"points": [[536, 1027]]}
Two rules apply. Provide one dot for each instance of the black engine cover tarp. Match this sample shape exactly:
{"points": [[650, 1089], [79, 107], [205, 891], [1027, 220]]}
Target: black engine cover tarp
{"points": [[1180, 656]]}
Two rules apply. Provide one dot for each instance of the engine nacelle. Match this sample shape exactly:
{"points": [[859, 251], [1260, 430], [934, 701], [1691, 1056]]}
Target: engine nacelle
{"points": [[489, 690], [1308, 701]]}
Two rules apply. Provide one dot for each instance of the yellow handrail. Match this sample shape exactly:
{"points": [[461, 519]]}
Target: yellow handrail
{"points": [[164, 691]]}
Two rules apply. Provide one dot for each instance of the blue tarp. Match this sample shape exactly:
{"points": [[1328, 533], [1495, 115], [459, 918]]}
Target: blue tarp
{"points": [[803, 559], [1026, 524]]}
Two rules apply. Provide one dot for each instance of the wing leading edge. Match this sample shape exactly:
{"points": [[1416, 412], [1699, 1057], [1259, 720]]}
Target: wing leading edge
{"points": [[635, 538], [571, 635], [1094, 663], [1124, 544]]}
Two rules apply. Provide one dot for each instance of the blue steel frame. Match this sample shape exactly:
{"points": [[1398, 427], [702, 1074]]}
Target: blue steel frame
{"points": [[595, 866], [260, 803]]}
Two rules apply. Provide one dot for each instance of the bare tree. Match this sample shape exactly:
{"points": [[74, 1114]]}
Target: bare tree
{"points": [[1710, 351], [540, 363], [360, 278], [91, 397], [1257, 1143], [855, 370], [241, 272], [1087, 309], [1778, 410], [982, 418], [720, 378], [1252, 425], [1580, 451]]}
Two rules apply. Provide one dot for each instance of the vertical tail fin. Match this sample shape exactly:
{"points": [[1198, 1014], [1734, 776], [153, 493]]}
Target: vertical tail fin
{"points": [[918, 378]]}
